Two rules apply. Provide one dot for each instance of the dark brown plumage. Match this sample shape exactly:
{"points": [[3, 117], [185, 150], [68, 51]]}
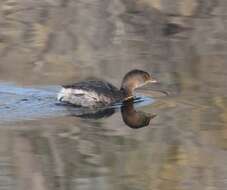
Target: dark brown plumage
{"points": [[96, 93]]}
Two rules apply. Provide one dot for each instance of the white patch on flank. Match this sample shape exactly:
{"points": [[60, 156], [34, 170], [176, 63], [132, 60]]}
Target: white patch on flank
{"points": [[81, 97]]}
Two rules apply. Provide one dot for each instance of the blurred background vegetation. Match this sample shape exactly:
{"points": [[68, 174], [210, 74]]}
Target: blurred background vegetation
{"points": [[183, 43]]}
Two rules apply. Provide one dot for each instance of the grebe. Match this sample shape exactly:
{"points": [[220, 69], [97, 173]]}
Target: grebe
{"points": [[97, 93]]}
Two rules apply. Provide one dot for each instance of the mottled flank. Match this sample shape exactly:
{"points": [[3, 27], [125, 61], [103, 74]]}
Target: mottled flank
{"points": [[90, 94]]}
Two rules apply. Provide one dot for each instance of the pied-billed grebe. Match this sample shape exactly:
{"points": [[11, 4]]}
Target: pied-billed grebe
{"points": [[96, 93]]}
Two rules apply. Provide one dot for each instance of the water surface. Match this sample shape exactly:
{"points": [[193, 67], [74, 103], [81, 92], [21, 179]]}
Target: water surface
{"points": [[44, 44]]}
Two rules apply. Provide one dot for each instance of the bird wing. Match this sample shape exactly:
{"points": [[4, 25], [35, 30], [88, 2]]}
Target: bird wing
{"points": [[100, 87]]}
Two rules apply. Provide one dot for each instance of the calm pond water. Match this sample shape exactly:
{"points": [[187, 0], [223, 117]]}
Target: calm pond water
{"points": [[174, 142]]}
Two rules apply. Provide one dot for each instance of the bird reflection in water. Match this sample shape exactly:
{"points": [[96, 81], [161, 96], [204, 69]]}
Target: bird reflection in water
{"points": [[131, 117], [134, 119]]}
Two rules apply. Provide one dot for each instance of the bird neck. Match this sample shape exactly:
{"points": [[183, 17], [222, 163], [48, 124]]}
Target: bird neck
{"points": [[127, 93], [128, 85]]}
